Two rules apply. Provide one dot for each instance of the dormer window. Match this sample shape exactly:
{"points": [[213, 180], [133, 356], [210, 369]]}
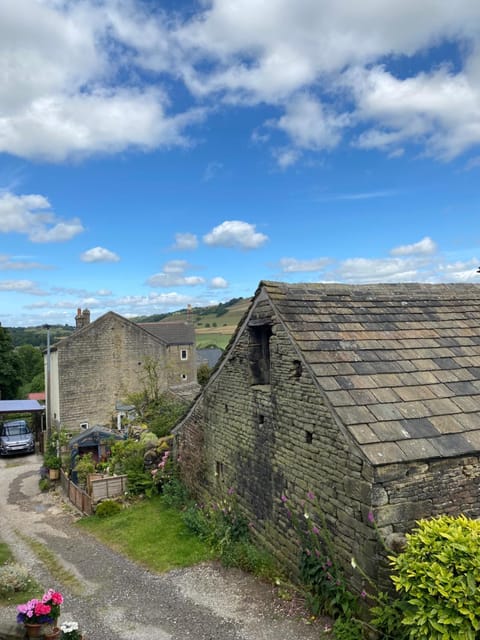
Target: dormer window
{"points": [[259, 356], [183, 354]]}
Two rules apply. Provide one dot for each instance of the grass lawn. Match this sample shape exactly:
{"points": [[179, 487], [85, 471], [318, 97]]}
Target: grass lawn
{"points": [[150, 533]]}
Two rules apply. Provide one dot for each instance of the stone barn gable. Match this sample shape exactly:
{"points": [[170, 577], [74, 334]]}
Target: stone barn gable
{"points": [[368, 396], [102, 362]]}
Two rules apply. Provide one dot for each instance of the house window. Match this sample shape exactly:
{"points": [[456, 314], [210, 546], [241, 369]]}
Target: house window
{"points": [[260, 353], [261, 419], [84, 425], [184, 376], [183, 354], [308, 437]]}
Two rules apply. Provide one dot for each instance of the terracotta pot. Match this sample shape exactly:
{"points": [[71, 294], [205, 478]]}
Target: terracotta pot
{"points": [[54, 634], [33, 630]]}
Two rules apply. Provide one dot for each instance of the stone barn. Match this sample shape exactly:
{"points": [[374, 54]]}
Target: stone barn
{"points": [[367, 396]]}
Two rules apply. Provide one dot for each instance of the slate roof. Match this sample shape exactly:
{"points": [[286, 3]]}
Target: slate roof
{"points": [[399, 364], [171, 332]]}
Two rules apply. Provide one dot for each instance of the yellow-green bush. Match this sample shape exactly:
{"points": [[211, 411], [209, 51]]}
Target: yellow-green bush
{"points": [[438, 579]]}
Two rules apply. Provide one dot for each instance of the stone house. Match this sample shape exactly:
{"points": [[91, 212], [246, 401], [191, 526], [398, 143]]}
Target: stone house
{"points": [[367, 396], [93, 370]]}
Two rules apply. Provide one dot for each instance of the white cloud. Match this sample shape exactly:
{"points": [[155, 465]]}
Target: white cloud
{"points": [[286, 157], [185, 241], [57, 106], [313, 61], [173, 275], [439, 109], [218, 283], [99, 254], [425, 246], [21, 286], [293, 265], [235, 233], [32, 215], [11, 263], [310, 125]]}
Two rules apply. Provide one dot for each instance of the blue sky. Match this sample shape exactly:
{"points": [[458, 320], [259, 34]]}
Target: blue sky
{"points": [[159, 154]]}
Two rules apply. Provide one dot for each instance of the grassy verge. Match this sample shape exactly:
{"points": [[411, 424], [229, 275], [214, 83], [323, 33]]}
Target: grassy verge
{"points": [[56, 569], [161, 543], [6, 557]]}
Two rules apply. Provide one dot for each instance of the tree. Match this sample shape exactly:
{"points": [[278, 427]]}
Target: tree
{"points": [[203, 373], [10, 377], [31, 362]]}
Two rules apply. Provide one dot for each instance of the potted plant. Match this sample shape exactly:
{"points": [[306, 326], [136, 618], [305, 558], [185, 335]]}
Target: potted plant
{"points": [[70, 631], [36, 613], [53, 464]]}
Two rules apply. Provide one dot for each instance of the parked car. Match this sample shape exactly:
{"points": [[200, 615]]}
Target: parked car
{"points": [[16, 437]]}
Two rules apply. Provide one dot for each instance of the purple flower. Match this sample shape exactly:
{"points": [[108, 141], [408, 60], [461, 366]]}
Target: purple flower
{"points": [[315, 530], [371, 519], [363, 594], [311, 495], [284, 498], [231, 491]]}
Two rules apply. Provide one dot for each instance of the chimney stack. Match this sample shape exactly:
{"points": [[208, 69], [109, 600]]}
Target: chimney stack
{"points": [[82, 318]]}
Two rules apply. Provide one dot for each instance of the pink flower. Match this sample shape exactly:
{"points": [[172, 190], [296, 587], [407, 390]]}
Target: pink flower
{"points": [[370, 517], [284, 498], [311, 495], [315, 530], [363, 594]]}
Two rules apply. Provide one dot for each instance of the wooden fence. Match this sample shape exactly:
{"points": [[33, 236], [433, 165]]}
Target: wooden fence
{"points": [[101, 488]]}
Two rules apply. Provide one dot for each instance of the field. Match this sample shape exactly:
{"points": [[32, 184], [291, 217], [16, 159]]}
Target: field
{"points": [[214, 326]]}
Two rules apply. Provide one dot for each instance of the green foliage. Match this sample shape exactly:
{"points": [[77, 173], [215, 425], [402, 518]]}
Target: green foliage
{"points": [[84, 467], [52, 461], [13, 578], [160, 411], [386, 617], [127, 457], [107, 508], [10, 376], [175, 493], [347, 629], [328, 591], [221, 524], [44, 484], [438, 576], [30, 362], [203, 374]]}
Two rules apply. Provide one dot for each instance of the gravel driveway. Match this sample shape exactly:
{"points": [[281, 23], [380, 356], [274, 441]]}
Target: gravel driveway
{"points": [[119, 600]]}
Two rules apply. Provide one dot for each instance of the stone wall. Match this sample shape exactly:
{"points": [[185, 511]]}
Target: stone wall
{"points": [[265, 440], [181, 371], [101, 365]]}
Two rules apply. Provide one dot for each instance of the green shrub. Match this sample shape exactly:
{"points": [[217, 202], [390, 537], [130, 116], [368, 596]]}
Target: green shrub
{"points": [[107, 508], [84, 467], [175, 493], [13, 577], [44, 484], [438, 577]]}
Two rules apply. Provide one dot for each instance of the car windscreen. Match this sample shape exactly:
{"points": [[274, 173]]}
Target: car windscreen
{"points": [[15, 431]]}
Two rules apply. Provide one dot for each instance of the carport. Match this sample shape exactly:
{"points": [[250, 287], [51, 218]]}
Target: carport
{"points": [[32, 411]]}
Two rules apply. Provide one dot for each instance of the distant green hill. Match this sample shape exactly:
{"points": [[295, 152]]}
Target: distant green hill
{"points": [[214, 325]]}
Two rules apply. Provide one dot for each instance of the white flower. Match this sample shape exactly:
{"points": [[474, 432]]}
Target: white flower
{"points": [[353, 563], [68, 627], [306, 516]]}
